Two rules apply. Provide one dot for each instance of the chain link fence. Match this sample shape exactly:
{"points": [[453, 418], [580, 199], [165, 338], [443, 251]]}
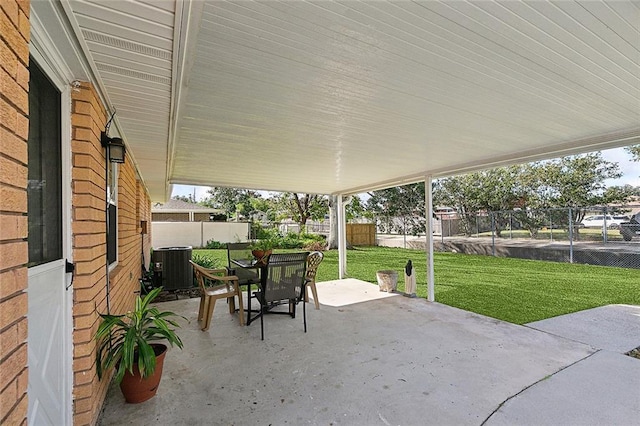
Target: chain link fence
{"points": [[607, 236]]}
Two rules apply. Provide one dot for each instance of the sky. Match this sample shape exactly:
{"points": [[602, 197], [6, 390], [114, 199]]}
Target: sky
{"points": [[186, 190], [629, 168]]}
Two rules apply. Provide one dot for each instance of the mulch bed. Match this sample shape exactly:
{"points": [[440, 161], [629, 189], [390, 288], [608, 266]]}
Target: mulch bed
{"points": [[186, 293]]}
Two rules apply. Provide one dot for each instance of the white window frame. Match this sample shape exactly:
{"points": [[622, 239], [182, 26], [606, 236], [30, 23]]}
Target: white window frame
{"points": [[113, 175]]}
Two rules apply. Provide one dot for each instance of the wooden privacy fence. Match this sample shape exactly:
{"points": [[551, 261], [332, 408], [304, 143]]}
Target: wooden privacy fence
{"points": [[361, 234]]}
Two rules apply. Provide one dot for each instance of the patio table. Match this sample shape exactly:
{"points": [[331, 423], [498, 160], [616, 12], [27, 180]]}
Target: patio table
{"points": [[252, 264], [263, 267]]}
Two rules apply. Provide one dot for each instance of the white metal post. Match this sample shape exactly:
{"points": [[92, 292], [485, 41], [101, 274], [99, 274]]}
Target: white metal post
{"points": [[570, 236], [429, 211], [342, 240]]}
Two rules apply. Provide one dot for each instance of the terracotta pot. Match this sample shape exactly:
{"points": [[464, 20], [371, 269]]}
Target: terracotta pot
{"points": [[261, 256], [136, 389]]}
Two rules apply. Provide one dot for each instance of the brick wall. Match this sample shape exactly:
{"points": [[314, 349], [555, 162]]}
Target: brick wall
{"points": [[88, 229], [89, 246], [14, 125]]}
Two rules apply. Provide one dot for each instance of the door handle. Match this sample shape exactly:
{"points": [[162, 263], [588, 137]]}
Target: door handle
{"points": [[69, 268]]}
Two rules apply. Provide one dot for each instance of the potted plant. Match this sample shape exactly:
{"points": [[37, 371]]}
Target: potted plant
{"points": [[387, 280], [261, 249], [129, 343]]}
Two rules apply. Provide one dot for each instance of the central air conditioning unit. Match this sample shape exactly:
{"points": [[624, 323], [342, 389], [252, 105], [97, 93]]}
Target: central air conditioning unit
{"points": [[171, 268]]}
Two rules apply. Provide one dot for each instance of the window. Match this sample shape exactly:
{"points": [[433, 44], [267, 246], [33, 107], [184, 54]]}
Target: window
{"points": [[44, 187], [112, 212]]}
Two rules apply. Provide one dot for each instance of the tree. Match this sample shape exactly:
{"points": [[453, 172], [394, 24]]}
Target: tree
{"points": [[302, 207], [403, 203], [573, 181], [356, 209], [579, 180], [352, 210], [622, 193], [501, 190], [332, 240], [634, 150], [486, 190], [232, 201], [263, 208]]}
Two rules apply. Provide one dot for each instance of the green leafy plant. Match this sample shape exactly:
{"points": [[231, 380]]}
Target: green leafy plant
{"points": [[204, 261], [213, 244], [316, 246], [125, 340], [291, 240], [262, 244]]}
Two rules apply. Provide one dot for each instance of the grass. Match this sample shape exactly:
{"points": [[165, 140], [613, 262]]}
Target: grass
{"points": [[513, 290]]}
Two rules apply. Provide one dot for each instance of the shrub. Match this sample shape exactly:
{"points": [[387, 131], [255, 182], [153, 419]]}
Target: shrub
{"points": [[204, 261], [212, 245], [315, 246], [309, 239], [290, 240]]}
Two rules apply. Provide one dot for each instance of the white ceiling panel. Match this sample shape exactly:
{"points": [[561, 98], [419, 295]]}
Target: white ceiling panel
{"points": [[337, 97], [130, 44]]}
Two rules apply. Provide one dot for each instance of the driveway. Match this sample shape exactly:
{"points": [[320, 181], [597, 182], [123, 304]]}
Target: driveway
{"points": [[601, 389], [621, 254]]}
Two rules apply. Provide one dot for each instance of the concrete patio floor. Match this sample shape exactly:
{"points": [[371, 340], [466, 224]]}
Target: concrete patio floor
{"points": [[371, 358]]}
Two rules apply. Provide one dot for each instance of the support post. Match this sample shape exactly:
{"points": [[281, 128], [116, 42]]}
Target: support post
{"points": [[342, 240], [493, 234], [429, 243], [511, 225], [570, 236]]}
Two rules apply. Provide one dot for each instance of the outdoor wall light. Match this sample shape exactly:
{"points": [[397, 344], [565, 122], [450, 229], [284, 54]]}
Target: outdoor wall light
{"points": [[115, 148]]}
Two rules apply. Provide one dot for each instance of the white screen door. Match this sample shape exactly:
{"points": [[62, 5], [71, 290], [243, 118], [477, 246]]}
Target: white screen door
{"points": [[49, 311]]}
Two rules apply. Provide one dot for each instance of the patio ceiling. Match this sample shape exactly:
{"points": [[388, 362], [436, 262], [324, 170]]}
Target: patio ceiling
{"points": [[328, 97]]}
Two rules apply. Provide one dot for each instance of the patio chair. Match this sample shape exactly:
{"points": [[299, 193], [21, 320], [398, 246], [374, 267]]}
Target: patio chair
{"points": [[242, 251], [246, 277], [313, 261], [216, 284], [284, 284]]}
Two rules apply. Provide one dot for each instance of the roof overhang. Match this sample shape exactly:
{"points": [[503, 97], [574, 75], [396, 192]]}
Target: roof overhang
{"points": [[327, 97]]}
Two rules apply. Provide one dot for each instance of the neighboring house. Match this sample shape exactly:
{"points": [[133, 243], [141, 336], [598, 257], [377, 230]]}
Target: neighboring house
{"points": [[57, 189], [445, 213], [182, 211], [179, 223]]}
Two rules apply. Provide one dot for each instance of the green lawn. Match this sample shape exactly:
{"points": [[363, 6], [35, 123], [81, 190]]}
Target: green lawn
{"points": [[514, 290]]}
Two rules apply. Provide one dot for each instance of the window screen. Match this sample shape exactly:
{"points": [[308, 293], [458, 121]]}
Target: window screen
{"points": [[44, 188]]}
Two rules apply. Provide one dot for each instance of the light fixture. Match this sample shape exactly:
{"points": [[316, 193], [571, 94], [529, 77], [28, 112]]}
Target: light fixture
{"points": [[115, 148]]}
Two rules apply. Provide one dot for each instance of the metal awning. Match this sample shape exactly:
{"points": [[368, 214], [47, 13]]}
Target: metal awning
{"points": [[342, 97]]}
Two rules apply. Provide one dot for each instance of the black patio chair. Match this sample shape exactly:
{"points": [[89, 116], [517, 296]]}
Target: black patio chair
{"points": [[242, 251], [284, 284], [246, 277]]}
